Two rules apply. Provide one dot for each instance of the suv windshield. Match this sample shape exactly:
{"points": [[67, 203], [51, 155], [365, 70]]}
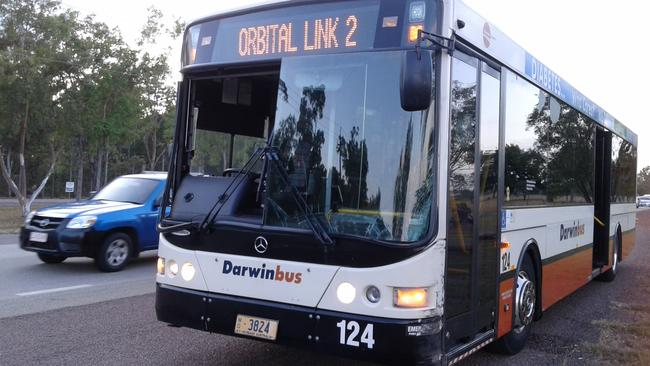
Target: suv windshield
{"points": [[363, 164], [134, 190]]}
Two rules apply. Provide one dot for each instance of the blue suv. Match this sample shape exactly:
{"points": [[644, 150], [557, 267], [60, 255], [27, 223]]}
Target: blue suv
{"points": [[115, 225]]}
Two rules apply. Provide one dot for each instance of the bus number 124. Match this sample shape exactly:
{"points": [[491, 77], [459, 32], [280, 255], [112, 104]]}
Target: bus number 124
{"points": [[354, 328]]}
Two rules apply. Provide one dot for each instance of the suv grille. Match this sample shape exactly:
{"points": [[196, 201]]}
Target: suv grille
{"points": [[46, 222]]}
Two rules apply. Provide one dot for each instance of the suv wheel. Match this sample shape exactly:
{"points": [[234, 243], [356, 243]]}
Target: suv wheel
{"points": [[114, 253]]}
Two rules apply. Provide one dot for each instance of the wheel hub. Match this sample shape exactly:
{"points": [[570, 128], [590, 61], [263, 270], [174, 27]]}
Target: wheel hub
{"points": [[117, 252], [524, 301]]}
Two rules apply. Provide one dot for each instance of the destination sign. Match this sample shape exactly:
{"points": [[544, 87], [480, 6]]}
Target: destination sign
{"points": [[293, 31]]}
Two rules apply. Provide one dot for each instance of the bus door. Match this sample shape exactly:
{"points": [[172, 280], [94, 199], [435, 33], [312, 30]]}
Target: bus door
{"points": [[602, 188], [472, 225]]}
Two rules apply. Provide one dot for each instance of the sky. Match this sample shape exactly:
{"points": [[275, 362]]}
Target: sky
{"points": [[600, 47]]}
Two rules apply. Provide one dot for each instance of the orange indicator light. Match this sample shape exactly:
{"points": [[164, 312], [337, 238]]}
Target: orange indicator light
{"points": [[410, 297], [414, 32]]}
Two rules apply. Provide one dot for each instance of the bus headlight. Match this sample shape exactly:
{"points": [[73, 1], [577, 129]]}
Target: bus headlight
{"points": [[187, 271], [346, 293], [160, 266], [173, 268], [410, 297]]}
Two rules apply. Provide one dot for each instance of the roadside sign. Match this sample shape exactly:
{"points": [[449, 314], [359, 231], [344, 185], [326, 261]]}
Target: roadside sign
{"points": [[69, 187]]}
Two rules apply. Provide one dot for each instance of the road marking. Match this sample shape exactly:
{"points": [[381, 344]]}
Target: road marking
{"points": [[59, 289]]}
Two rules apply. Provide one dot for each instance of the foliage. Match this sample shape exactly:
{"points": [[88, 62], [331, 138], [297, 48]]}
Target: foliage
{"points": [[643, 181], [76, 101]]}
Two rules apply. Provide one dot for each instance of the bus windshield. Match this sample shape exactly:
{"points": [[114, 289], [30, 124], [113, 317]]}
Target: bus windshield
{"points": [[363, 165]]}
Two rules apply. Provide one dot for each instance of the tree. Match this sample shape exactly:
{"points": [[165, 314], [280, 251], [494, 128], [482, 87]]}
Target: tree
{"points": [[158, 96], [643, 181], [34, 62]]}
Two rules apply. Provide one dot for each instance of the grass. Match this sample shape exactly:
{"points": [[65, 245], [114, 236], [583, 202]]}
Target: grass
{"points": [[624, 341], [11, 219]]}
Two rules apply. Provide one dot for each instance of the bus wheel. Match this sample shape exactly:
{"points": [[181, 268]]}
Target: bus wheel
{"points": [[524, 308], [610, 275]]}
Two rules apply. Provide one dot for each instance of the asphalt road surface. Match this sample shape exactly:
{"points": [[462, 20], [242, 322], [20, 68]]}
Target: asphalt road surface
{"points": [[71, 314]]}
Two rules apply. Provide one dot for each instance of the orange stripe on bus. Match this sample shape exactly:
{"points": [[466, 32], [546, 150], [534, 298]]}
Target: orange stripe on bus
{"points": [[506, 297], [562, 277], [629, 239]]}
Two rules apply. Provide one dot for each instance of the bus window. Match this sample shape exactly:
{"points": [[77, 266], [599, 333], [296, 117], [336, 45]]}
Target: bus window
{"points": [[362, 163]]}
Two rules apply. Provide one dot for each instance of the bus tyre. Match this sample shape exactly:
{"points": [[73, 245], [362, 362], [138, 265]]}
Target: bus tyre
{"points": [[50, 259], [114, 253], [524, 309], [610, 275]]}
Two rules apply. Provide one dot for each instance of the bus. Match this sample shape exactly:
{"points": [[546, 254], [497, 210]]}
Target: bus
{"points": [[387, 180]]}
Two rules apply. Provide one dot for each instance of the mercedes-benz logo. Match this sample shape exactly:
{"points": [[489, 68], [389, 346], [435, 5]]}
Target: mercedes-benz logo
{"points": [[261, 245], [44, 222]]}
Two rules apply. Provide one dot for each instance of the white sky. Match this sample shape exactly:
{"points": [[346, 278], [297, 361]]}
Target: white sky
{"points": [[598, 46]]}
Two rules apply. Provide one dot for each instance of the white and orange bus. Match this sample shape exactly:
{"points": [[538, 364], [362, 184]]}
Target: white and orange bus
{"points": [[392, 180]]}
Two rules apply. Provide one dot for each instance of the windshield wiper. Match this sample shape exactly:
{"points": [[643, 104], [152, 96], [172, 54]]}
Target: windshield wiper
{"points": [[175, 227], [271, 155], [314, 224]]}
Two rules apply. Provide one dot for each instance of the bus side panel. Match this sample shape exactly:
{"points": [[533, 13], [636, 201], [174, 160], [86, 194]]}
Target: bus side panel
{"points": [[624, 215], [506, 298], [629, 239], [564, 236], [565, 273]]}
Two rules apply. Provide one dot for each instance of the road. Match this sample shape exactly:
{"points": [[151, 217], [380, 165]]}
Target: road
{"points": [[108, 319]]}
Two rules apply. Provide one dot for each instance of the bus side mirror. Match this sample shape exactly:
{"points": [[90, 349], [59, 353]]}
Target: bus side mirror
{"points": [[416, 81]]}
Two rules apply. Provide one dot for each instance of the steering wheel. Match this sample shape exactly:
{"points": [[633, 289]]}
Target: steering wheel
{"points": [[230, 172]]}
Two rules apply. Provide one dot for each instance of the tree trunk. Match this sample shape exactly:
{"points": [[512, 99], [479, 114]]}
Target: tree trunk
{"points": [[105, 166], [22, 174], [80, 173], [98, 170], [9, 169], [23, 201], [28, 204]]}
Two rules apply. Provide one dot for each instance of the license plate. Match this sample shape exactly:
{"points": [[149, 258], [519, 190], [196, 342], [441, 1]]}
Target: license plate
{"points": [[256, 327], [38, 237]]}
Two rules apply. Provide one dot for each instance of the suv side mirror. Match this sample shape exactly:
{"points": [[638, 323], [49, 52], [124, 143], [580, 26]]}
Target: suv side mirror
{"points": [[157, 202], [416, 81]]}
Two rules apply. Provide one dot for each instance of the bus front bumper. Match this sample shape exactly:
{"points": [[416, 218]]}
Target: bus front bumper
{"points": [[393, 340]]}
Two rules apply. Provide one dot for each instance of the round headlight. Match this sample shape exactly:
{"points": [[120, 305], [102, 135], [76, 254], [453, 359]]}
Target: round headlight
{"points": [[346, 293], [373, 294], [173, 268], [187, 271]]}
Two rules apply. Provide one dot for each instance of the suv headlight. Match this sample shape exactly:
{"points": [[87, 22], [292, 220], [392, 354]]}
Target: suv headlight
{"points": [[29, 217], [82, 222]]}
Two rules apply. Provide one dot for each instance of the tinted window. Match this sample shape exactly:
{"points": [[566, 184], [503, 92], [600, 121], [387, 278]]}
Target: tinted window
{"points": [[134, 190], [361, 162], [549, 149], [623, 171], [488, 182], [462, 172]]}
